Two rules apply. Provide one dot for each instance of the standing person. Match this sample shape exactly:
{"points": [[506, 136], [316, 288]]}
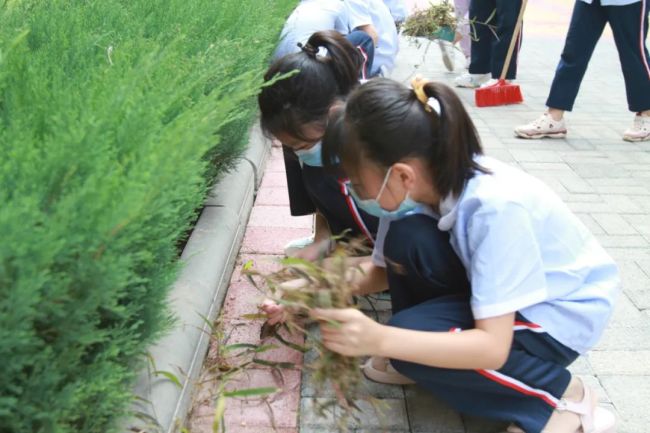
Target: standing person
{"points": [[489, 50], [373, 17], [462, 37], [542, 288], [296, 111], [629, 22]]}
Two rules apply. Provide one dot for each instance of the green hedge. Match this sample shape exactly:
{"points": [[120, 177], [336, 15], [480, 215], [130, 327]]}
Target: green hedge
{"points": [[108, 109]]}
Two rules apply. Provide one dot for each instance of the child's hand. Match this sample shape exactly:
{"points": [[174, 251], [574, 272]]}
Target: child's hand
{"points": [[315, 251], [276, 313], [349, 331]]}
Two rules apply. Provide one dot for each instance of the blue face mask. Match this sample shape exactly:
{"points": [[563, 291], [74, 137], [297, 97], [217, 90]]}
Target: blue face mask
{"points": [[312, 156], [373, 207]]}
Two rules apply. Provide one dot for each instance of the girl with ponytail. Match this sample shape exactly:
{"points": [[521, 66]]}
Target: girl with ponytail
{"points": [[296, 111], [541, 289]]}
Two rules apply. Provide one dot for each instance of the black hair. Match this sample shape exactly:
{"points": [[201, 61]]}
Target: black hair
{"points": [[290, 103], [385, 122]]}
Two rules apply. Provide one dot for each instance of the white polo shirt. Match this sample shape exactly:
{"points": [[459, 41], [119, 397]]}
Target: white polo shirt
{"points": [[614, 2], [525, 251], [309, 17], [397, 9], [375, 12]]}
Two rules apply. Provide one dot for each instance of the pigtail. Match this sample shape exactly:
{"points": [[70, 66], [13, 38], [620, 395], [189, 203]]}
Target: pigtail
{"points": [[456, 139], [316, 79], [342, 57]]}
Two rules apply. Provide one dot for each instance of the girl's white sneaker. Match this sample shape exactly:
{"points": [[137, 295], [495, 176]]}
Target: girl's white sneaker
{"points": [[640, 130], [543, 126], [471, 81]]}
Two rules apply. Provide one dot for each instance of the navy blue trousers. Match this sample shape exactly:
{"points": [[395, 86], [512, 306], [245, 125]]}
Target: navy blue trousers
{"points": [[488, 53], [366, 47], [630, 27], [430, 292]]}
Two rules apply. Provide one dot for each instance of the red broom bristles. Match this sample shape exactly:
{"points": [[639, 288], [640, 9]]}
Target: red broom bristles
{"points": [[502, 93]]}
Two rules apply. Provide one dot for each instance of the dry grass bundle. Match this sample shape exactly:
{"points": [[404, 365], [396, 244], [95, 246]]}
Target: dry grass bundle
{"points": [[302, 286], [438, 21]]}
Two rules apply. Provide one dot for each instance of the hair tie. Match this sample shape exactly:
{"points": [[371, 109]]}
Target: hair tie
{"points": [[308, 48], [431, 104]]}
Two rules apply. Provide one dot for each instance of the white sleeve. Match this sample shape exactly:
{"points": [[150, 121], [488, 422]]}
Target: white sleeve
{"points": [[378, 250], [358, 13], [507, 273]]}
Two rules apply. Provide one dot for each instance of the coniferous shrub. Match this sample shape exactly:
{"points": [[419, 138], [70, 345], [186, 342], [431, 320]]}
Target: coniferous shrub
{"points": [[113, 115]]}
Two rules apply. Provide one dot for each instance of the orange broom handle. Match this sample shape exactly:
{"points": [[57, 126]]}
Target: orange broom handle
{"points": [[513, 41]]}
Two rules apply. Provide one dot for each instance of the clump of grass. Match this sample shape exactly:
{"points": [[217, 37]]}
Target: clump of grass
{"points": [[427, 22], [322, 284]]}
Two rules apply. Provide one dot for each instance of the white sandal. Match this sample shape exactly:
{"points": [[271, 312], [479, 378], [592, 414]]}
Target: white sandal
{"points": [[593, 419], [388, 376]]}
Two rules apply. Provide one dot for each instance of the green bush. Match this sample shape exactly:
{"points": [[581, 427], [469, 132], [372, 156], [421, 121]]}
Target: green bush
{"points": [[107, 112]]}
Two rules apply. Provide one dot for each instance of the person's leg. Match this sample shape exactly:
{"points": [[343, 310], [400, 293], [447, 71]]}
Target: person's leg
{"points": [[366, 47], [461, 8], [587, 24], [506, 20], [630, 27], [526, 390], [421, 264], [481, 42], [482, 37]]}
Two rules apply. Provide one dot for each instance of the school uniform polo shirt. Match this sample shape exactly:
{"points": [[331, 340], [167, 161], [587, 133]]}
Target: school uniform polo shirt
{"points": [[375, 12], [397, 9], [309, 17], [525, 251], [614, 2]]}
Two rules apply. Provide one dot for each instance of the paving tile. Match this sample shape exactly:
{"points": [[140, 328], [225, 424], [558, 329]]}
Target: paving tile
{"points": [[242, 298], [278, 216], [641, 223], [263, 263], [278, 410], [275, 164], [272, 196], [482, 425], [271, 240], [594, 383], [627, 337], [311, 415], [274, 179], [581, 366], [366, 389], [389, 414], [248, 332], [620, 362], [623, 241], [429, 415], [630, 395], [614, 224], [636, 283]]}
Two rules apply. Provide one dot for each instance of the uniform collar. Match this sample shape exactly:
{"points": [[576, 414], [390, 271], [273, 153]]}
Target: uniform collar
{"points": [[448, 212]]}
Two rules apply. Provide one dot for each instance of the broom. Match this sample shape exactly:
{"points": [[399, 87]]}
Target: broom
{"points": [[502, 92]]}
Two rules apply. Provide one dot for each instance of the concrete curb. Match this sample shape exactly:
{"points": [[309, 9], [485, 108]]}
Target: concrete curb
{"points": [[208, 261]]}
